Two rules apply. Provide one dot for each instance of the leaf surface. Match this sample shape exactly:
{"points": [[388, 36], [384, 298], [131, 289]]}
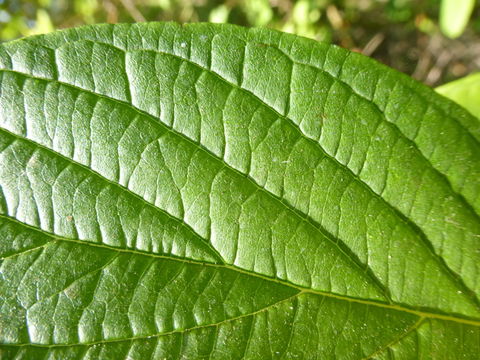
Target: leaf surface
{"points": [[210, 191]]}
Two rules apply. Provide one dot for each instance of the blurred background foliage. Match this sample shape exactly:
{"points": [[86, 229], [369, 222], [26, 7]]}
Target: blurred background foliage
{"points": [[409, 35]]}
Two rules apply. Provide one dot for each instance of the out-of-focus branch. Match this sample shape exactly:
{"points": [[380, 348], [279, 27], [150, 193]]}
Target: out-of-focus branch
{"points": [[373, 44], [111, 11], [129, 5]]}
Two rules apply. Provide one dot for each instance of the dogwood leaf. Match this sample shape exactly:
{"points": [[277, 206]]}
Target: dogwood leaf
{"points": [[215, 192]]}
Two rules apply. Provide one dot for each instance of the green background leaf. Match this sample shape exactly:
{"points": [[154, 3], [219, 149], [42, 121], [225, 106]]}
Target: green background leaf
{"points": [[454, 16], [465, 91], [210, 191]]}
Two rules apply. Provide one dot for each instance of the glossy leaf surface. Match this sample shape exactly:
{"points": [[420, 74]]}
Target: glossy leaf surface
{"points": [[214, 192]]}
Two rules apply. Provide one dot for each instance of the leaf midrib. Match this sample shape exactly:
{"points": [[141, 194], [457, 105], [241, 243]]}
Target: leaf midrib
{"points": [[344, 249], [299, 288]]}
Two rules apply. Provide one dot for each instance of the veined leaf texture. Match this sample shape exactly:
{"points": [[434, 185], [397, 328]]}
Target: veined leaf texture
{"points": [[215, 192]]}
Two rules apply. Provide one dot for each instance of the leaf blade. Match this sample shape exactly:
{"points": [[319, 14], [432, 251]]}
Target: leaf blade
{"points": [[257, 182]]}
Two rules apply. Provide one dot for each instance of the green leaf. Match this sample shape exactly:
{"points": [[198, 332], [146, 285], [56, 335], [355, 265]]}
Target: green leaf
{"points": [[210, 191], [465, 91], [454, 16]]}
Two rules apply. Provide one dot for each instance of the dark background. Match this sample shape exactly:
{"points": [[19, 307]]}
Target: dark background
{"points": [[403, 34]]}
